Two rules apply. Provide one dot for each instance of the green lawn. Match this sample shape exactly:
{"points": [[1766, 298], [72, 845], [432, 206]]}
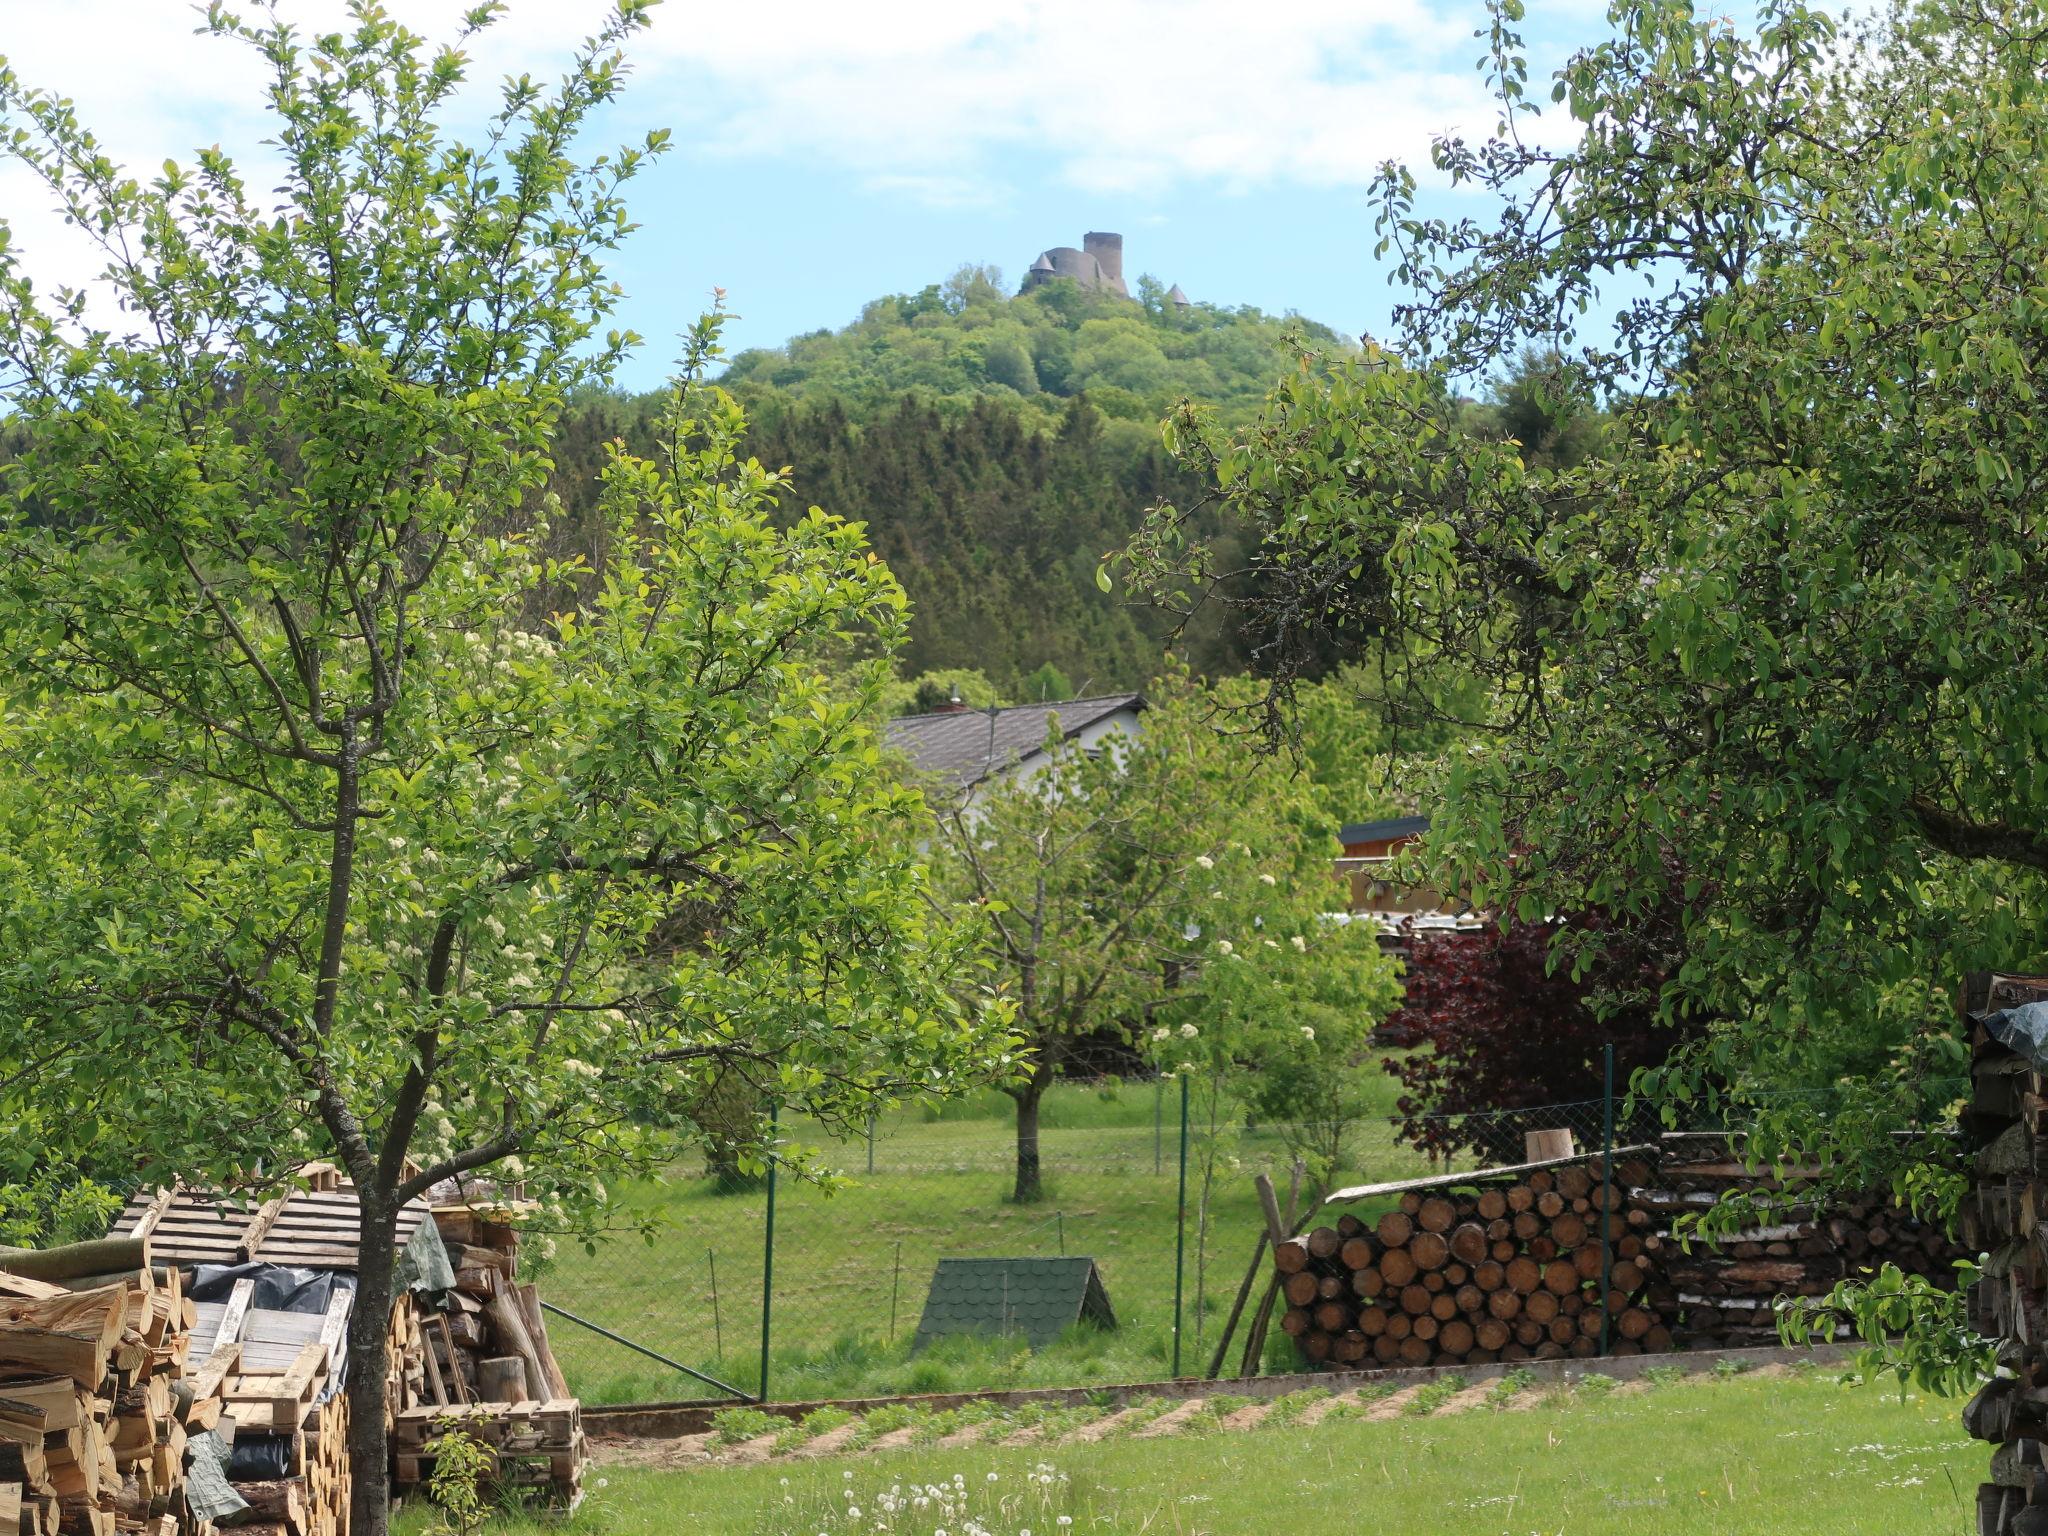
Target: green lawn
{"points": [[852, 1267], [1742, 1456]]}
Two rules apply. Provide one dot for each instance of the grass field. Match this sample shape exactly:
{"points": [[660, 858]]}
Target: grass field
{"points": [[852, 1267], [1742, 1456]]}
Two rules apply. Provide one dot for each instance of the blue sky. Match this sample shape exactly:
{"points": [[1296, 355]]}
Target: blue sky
{"points": [[827, 153]]}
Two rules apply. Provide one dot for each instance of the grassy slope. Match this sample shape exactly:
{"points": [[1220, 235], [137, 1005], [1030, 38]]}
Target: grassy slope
{"points": [[940, 1188], [1736, 1457]]}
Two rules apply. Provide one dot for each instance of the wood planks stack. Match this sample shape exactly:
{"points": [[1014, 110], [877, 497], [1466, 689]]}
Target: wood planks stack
{"points": [[488, 1363], [537, 1448], [96, 1398], [1502, 1267], [1722, 1292], [2006, 1134], [286, 1420]]}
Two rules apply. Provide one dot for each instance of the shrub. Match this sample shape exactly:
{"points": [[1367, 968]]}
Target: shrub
{"points": [[1501, 1029]]}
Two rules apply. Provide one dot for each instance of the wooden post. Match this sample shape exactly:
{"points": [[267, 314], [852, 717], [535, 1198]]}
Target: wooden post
{"points": [[1276, 1233], [1244, 1291]]}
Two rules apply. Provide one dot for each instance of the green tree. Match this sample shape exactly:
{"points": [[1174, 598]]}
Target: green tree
{"points": [[314, 841], [930, 692], [1773, 655], [1047, 684], [1171, 885]]}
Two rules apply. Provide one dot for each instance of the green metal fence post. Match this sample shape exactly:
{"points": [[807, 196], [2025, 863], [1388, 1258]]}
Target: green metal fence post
{"points": [[1158, 1125], [895, 1285], [717, 1324], [1606, 1193], [1180, 1225], [768, 1250]]}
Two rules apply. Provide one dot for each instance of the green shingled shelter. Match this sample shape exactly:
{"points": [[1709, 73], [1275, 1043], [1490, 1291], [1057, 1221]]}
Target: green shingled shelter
{"points": [[1038, 1298]]}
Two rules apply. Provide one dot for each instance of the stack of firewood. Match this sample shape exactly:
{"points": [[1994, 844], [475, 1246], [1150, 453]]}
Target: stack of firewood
{"points": [[1723, 1291], [488, 1364], [2006, 1134], [1500, 1269], [96, 1402]]}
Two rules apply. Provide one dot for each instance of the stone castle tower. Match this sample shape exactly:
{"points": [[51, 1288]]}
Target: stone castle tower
{"points": [[1098, 267]]}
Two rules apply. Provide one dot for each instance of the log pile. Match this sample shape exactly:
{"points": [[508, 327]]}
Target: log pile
{"points": [[97, 1402], [1722, 1292], [1506, 1268], [2006, 1134], [487, 1362]]}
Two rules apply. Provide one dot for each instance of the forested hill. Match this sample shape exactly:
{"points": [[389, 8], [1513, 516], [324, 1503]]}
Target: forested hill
{"points": [[996, 448], [965, 340]]}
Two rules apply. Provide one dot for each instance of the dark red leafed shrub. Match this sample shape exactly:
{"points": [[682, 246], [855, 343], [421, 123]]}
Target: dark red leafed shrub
{"points": [[1495, 1029]]}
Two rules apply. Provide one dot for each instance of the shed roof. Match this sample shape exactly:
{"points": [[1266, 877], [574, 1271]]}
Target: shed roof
{"points": [[302, 1228], [1381, 831], [965, 746], [1039, 1298]]}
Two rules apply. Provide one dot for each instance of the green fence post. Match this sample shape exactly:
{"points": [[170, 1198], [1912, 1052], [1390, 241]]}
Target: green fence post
{"points": [[717, 1326], [1606, 1193], [895, 1285], [1180, 1225], [768, 1251], [1158, 1125]]}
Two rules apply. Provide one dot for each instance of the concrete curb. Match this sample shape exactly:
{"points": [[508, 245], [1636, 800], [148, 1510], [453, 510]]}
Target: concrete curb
{"points": [[669, 1421]]}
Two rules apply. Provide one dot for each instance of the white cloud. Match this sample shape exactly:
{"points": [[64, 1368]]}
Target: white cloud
{"points": [[1118, 95], [929, 99]]}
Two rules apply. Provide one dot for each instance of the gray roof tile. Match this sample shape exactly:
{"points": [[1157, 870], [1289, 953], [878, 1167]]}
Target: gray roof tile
{"points": [[964, 747]]}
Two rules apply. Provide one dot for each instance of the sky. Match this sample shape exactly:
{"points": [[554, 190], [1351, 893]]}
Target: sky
{"points": [[826, 152]]}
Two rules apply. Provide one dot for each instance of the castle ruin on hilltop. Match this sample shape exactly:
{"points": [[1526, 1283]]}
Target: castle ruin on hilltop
{"points": [[1098, 267]]}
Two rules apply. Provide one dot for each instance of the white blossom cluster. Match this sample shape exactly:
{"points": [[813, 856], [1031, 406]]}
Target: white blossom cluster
{"points": [[956, 1506]]}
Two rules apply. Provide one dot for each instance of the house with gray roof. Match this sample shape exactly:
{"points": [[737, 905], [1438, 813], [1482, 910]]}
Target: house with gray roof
{"points": [[960, 747]]}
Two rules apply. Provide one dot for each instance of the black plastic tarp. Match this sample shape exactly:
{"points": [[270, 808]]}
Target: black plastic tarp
{"points": [[280, 1289], [277, 1289]]}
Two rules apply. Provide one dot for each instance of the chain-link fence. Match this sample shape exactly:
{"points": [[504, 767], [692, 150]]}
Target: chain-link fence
{"points": [[1150, 1179]]}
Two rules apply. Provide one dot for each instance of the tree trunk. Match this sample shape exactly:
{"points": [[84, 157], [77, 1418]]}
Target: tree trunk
{"points": [[369, 1334], [1030, 1185]]}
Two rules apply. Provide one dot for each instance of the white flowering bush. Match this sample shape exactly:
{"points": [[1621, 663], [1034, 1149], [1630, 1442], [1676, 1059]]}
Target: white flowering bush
{"points": [[1160, 879]]}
